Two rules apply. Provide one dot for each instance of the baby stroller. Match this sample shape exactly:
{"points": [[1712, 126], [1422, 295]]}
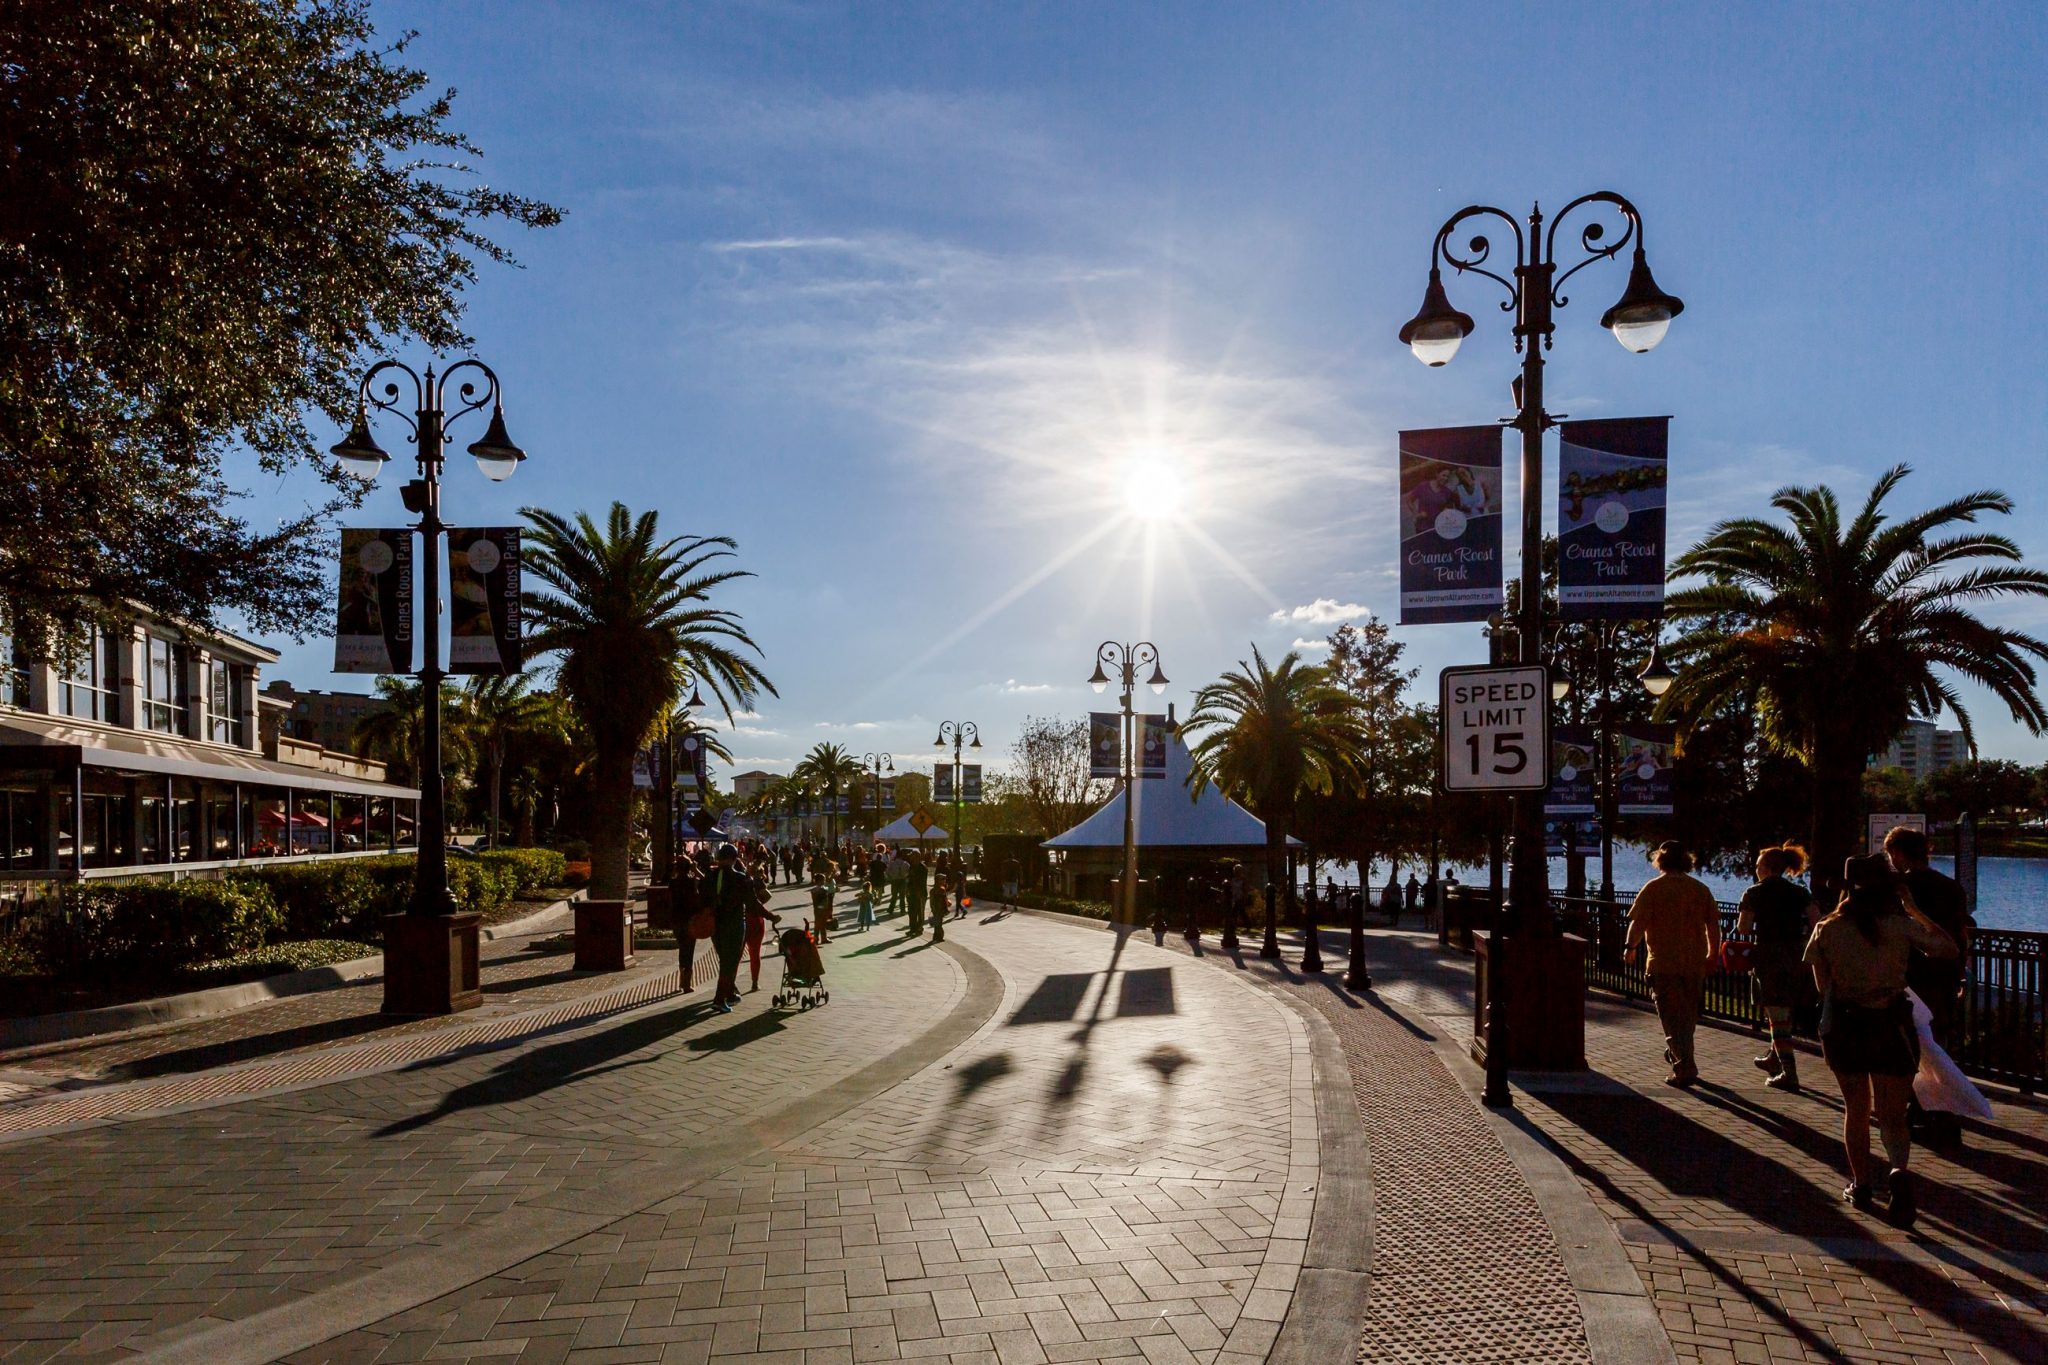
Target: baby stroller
{"points": [[803, 971]]}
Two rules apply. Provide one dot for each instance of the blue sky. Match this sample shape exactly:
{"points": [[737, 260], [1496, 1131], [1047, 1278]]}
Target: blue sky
{"points": [[901, 296]]}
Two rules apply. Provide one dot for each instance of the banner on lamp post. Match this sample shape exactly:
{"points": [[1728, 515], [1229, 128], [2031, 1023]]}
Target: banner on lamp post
{"points": [[1643, 768], [1105, 744], [888, 796], [970, 783], [1573, 772], [1152, 735], [483, 600], [373, 614], [942, 782], [1450, 504], [1610, 518]]}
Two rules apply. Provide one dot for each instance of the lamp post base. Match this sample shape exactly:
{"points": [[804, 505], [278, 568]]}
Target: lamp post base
{"points": [[430, 964], [1545, 997], [604, 936], [661, 909]]}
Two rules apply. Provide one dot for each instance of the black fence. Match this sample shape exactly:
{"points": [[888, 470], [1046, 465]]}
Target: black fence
{"points": [[2004, 1030]]}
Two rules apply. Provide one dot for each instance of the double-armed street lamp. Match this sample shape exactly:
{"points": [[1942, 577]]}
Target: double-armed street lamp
{"points": [[1639, 320], [875, 765], [430, 967], [1127, 659], [956, 733]]}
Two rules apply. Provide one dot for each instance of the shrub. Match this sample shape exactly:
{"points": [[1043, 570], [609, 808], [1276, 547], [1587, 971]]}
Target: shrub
{"points": [[533, 868], [324, 900], [154, 928]]}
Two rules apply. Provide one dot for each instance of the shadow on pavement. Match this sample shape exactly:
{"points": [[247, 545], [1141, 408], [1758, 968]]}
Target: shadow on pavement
{"points": [[526, 1073], [882, 946], [206, 1056], [1692, 1161]]}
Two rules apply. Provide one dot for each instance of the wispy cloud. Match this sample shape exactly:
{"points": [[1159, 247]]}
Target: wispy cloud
{"points": [[849, 725], [1011, 687], [1324, 611], [1305, 643]]}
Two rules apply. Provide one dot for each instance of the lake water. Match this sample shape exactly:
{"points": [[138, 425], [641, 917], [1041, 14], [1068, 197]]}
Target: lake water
{"points": [[2012, 893]]}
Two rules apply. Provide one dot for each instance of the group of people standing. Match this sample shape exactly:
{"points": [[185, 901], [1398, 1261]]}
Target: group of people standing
{"points": [[1898, 925], [724, 893]]}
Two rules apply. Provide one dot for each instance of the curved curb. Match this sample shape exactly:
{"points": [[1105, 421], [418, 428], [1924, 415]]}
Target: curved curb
{"points": [[1326, 1315], [428, 1272], [216, 1000]]}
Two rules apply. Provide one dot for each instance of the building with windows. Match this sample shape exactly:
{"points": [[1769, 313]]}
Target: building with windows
{"points": [[748, 785], [328, 719], [1922, 750], [147, 751]]}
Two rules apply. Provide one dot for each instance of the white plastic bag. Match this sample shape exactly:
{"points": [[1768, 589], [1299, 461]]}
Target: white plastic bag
{"points": [[1940, 1083]]}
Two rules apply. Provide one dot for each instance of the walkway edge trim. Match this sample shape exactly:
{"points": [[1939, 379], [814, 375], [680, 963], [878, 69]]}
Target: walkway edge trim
{"points": [[424, 1273]]}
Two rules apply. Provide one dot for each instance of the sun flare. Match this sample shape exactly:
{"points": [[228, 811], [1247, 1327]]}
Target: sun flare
{"points": [[1153, 489]]}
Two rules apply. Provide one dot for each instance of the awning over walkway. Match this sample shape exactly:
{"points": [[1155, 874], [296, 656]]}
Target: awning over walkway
{"points": [[53, 742]]}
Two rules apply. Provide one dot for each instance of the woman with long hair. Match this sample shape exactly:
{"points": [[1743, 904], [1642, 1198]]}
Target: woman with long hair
{"points": [[1776, 916], [1858, 955]]}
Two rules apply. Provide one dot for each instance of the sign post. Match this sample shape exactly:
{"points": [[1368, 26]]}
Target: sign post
{"points": [[1494, 736]]}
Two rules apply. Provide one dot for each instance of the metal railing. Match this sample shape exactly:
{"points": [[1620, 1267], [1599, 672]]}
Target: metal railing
{"points": [[2003, 1035]]}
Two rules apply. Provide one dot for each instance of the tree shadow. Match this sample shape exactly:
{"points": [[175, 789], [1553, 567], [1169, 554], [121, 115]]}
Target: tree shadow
{"points": [[529, 1073], [206, 1056]]}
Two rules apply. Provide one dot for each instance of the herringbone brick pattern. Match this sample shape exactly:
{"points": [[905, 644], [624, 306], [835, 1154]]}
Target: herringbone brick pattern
{"points": [[1121, 1166]]}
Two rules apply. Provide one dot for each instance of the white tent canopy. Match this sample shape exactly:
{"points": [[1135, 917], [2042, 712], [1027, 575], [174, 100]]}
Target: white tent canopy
{"points": [[1167, 818], [901, 831]]}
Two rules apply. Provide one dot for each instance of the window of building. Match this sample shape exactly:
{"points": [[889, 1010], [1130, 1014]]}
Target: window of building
{"points": [[13, 672], [91, 688], [223, 686], [164, 694]]}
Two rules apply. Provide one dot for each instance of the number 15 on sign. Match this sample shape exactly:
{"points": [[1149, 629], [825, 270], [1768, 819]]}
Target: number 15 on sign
{"points": [[1494, 729]]}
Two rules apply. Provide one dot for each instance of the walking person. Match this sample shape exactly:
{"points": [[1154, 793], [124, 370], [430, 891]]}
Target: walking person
{"points": [[1674, 916], [824, 878], [687, 892], [1777, 915], [731, 893], [864, 918], [1937, 981], [1859, 958], [914, 888], [1414, 893], [759, 917], [942, 888]]}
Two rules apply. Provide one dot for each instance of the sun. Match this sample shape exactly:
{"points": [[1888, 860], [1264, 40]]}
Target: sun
{"points": [[1154, 489]]}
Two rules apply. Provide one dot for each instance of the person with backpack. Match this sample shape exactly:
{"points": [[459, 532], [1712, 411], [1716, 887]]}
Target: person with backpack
{"points": [[1859, 955], [1777, 915]]}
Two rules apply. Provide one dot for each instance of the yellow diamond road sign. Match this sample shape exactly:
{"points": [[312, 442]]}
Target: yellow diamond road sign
{"points": [[920, 822]]}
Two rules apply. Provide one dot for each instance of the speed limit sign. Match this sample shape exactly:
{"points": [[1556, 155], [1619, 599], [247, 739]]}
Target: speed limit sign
{"points": [[1494, 728]]}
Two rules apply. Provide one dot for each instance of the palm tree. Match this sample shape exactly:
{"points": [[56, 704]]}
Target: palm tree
{"points": [[395, 733], [498, 711], [1835, 635], [628, 614], [826, 769], [1267, 735]]}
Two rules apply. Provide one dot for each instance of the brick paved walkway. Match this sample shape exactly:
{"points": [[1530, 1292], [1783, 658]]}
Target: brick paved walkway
{"points": [[1067, 1181], [1727, 1197]]}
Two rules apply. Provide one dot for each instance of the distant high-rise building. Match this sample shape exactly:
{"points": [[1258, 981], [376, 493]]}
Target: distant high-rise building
{"points": [[328, 719], [1922, 750]]}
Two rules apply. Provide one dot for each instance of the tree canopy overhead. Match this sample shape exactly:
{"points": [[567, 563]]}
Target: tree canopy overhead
{"points": [[212, 212]]}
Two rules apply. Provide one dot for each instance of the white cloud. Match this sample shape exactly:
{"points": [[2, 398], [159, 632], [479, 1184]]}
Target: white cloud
{"points": [[1308, 644], [1325, 611], [1011, 687], [854, 725]]}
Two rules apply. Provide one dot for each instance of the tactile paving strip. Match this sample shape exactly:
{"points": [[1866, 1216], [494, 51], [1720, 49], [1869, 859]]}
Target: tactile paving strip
{"points": [[152, 1097]]}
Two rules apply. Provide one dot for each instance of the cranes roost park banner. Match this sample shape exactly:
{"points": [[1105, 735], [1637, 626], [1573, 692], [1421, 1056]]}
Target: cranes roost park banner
{"points": [[1574, 771], [1643, 760], [373, 616], [1610, 518], [1450, 524], [483, 600], [1152, 732], [942, 782], [1105, 744]]}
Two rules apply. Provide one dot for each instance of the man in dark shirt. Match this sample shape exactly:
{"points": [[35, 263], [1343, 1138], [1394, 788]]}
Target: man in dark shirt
{"points": [[1937, 981], [730, 891]]}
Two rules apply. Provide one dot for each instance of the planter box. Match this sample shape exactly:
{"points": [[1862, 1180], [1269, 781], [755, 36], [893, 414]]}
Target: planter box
{"points": [[604, 936], [430, 964], [1545, 982]]}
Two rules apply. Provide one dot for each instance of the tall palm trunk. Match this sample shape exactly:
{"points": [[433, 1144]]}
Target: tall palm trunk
{"points": [[1837, 832], [1276, 870], [612, 823]]}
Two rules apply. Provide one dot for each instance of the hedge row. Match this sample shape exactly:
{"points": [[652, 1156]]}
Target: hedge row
{"points": [[155, 928]]}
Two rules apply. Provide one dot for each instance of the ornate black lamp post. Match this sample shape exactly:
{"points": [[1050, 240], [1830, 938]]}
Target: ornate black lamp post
{"points": [[430, 966], [956, 733], [874, 765], [1127, 659], [1638, 320]]}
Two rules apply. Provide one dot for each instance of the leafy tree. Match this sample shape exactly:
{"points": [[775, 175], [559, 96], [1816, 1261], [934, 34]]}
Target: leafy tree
{"points": [[1387, 809], [1889, 789], [629, 614], [1837, 632], [211, 213], [1987, 788], [1051, 754], [1268, 734]]}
